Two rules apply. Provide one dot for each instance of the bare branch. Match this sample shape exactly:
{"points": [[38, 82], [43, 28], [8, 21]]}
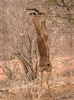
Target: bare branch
{"points": [[64, 5], [23, 61], [8, 71]]}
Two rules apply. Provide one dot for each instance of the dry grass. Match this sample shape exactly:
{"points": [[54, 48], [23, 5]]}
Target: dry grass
{"points": [[61, 86]]}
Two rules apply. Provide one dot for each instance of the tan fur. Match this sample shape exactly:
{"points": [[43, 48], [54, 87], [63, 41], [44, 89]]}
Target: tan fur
{"points": [[42, 36]]}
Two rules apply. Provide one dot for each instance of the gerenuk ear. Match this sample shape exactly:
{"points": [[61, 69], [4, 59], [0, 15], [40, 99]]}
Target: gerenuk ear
{"points": [[40, 13], [32, 13]]}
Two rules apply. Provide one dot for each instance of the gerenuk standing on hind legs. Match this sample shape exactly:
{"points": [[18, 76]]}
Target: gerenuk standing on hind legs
{"points": [[42, 37]]}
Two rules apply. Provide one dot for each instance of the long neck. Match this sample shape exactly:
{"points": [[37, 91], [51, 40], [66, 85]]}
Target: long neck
{"points": [[41, 33], [41, 42], [37, 25]]}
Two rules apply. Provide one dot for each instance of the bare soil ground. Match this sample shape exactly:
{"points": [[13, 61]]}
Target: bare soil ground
{"points": [[61, 84]]}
